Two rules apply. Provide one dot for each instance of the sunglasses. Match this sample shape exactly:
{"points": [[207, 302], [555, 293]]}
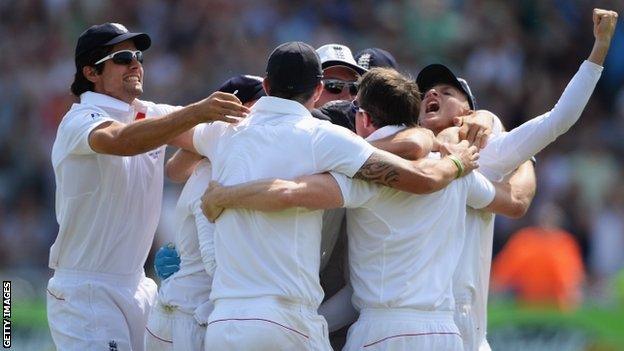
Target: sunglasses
{"points": [[336, 86], [355, 106], [123, 57]]}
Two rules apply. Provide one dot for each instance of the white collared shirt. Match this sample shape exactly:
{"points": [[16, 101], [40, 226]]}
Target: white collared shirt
{"points": [[190, 286], [107, 206], [404, 248], [277, 253], [501, 156]]}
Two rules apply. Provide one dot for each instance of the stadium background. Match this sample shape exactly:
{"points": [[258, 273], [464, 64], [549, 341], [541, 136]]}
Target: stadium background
{"points": [[517, 55]]}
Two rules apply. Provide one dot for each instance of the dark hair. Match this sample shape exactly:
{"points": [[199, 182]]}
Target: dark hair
{"points": [[81, 83], [300, 97], [389, 97]]}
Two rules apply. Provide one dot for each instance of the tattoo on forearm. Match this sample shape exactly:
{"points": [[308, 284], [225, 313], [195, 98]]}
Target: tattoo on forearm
{"points": [[377, 170]]}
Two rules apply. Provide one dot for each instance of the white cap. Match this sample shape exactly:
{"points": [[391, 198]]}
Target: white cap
{"points": [[338, 55]]}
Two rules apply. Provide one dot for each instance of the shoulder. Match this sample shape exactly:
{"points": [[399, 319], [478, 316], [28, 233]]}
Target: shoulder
{"points": [[80, 114], [159, 109]]}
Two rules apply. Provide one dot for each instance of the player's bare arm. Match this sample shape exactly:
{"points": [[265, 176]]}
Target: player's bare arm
{"points": [[321, 191], [604, 27], [181, 165], [475, 126], [116, 138], [514, 196], [314, 192], [419, 177], [410, 144], [448, 136]]}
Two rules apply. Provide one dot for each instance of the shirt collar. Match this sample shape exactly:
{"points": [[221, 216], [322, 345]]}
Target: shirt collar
{"points": [[384, 132], [102, 100], [270, 107]]}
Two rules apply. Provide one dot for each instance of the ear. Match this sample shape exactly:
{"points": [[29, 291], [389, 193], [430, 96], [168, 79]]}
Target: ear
{"points": [[368, 121], [265, 86], [90, 73], [317, 92]]}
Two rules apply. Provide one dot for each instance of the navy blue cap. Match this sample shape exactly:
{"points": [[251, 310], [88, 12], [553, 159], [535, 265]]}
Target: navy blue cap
{"points": [[375, 57], [109, 34], [246, 87], [294, 67], [440, 74]]}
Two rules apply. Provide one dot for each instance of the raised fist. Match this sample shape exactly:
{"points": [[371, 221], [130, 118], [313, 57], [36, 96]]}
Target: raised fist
{"points": [[604, 24]]}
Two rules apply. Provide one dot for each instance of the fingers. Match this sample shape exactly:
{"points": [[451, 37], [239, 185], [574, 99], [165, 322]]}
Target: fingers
{"points": [[481, 138], [458, 121], [472, 134], [213, 212], [230, 119], [230, 108], [463, 131], [226, 97]]}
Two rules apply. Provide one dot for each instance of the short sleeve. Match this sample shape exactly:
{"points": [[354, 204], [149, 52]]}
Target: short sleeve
{"points": [[159, 110], [355, 193], [75, 128], [206, 136], [338, 149], [481, 191]]}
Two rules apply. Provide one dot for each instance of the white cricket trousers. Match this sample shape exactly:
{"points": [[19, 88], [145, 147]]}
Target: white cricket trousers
{"points": [[265, 324], [99, 311], [402, 329], [170, 329], [467, 322]]}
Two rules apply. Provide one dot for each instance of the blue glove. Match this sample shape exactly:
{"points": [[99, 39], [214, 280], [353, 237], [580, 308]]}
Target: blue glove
{"points": [[167, 261]]}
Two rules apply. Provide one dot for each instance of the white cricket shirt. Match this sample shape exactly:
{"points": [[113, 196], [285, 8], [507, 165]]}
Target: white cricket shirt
{"points": [[107, 206], [274, 254], [404, 248], [190, 286], [502, 155]]}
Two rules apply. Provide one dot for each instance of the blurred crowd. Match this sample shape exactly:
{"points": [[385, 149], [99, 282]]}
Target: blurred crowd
{"points": [[517, 55]]}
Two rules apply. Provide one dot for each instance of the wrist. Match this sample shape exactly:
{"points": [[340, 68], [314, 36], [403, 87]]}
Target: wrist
{"points": [[194, 113], [458, 164]]}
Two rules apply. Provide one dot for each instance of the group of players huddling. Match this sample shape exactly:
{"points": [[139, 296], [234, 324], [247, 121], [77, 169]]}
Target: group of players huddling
{"points": [[332, 194]]}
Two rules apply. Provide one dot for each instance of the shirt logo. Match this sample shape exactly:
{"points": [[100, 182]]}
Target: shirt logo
{"points": [[338, 51], [112, 345], [364, 61], [96, 115], [154, 154]]}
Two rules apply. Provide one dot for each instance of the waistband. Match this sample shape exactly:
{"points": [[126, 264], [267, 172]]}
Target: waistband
{"points": [[268, 302], [131, 279], [403, 314]]}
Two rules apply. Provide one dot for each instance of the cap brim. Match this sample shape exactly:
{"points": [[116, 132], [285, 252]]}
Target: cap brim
{"points": [[359, 69], [141, 40], [440, 74]]}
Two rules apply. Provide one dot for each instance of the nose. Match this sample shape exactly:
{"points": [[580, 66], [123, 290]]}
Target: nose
{"points": [[135, 64], [431, 92]]}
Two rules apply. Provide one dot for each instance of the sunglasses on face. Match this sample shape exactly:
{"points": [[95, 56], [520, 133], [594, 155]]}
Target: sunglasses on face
{"points": [[336, 86], [123, 57]]}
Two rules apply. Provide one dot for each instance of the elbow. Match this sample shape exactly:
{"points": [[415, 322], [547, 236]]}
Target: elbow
{"points": [[173, 175], [518, 210]]}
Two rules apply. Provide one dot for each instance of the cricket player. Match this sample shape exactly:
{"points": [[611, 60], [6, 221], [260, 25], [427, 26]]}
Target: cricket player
{"points": [[108, 164], [403, 248], [340, 73], [178, 319], [266, 287], [444, 96]]}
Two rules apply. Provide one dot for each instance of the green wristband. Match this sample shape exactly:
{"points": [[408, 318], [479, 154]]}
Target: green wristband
{"points": [[458, 163]]}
